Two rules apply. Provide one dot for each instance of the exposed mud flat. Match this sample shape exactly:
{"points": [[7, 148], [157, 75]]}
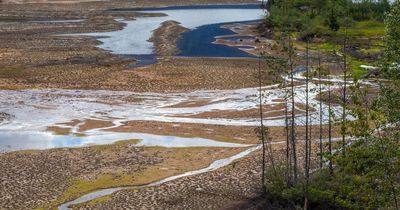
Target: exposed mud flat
{"points": [[221, 189], [223, 133], [54, 175], [171, 75], [166, 37]]}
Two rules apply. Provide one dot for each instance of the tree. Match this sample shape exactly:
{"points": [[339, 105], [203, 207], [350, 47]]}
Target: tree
{"points": [[344, 98], [262, 131], [307, 140], [390, 92], [321, 151]]}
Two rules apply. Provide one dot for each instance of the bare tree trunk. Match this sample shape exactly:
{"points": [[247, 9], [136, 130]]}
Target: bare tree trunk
{"points": [[288, 155], [309, 145], [293, 125], [394, 194], [320, 111], [366, 117], [330, 125], [262, 128], [271, 157], [344, 100], [306, 162]]}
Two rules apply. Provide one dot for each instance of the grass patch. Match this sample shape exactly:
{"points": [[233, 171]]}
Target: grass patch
{"points": [[372, 50], [369, 28], [355, 70], [330, 47], [11, 71], [99, 200], [81, 187]]}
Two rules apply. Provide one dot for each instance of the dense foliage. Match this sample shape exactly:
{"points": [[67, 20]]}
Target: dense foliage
{"points": [[367, 177], [318, 17]]}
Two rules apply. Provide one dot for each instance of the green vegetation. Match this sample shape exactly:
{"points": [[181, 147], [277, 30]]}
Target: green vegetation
{"points": [[361, 173], [321, 17], [11, 71], [329, 23], [369, 28], [98, 200], [356, 70]]}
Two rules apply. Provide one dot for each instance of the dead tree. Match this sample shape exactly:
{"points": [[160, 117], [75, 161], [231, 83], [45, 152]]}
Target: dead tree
{"points": [[344, 100], [320, 111], [293, 123], [330, 125], [262, 132], [307, 139], [288, 153]]}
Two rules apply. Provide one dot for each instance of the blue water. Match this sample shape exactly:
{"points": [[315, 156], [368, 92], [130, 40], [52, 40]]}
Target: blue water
{"points": [[244, 47], [32, 140], [141, 60], [199, 43], [237, 38], [207, 6]]}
